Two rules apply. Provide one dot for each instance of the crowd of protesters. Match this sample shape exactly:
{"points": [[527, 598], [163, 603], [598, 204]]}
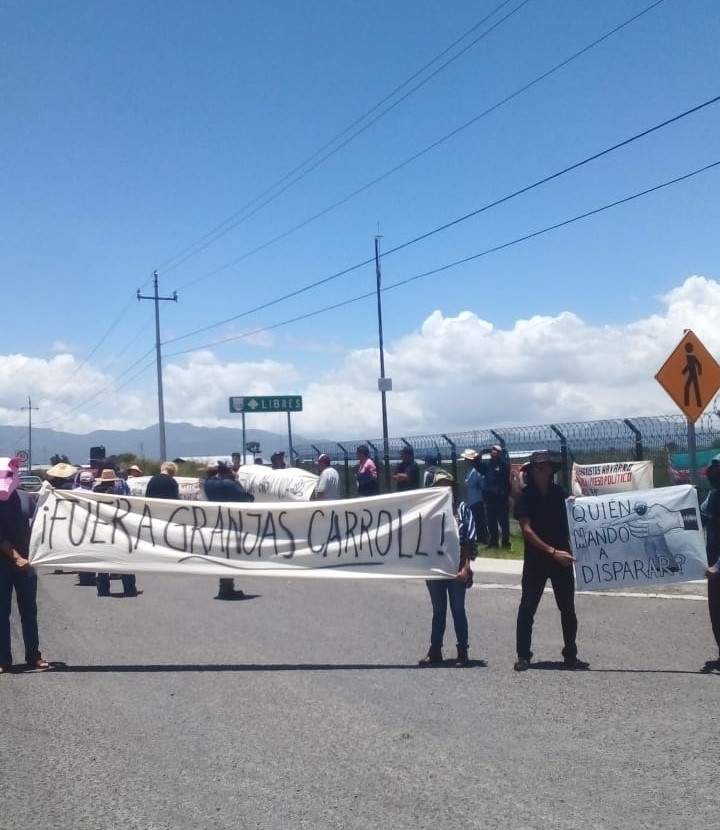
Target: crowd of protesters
{"points": [[482, 518]]}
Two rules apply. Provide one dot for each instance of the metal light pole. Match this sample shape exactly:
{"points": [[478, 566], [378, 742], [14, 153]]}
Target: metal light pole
{"points": [[29, 408], [161, 405], [384, 384]]}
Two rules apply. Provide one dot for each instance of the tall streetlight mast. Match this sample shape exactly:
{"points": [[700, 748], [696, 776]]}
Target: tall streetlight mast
{"points": [[384, 384]]}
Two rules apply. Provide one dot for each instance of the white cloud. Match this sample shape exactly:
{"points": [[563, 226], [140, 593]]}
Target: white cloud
{"points": [[452, 373]]}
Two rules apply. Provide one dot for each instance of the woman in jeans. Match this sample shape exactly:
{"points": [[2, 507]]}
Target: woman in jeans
{"points": [[442, 590]]}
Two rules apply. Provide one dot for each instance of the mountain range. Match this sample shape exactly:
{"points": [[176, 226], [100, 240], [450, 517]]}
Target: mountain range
{"points": [[182, 441]]}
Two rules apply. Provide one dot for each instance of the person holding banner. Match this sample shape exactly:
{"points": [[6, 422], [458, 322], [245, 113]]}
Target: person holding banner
{"points": [[540, 510], [710, 512], [453, 590], [15, 572], [221, 486]]}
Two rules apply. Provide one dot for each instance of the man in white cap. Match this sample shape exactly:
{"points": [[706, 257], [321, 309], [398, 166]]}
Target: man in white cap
{"points": [[328, 485]]}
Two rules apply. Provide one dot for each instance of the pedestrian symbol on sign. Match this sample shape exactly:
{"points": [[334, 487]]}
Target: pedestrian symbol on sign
{"points": [[693, 370], [691, 376]]}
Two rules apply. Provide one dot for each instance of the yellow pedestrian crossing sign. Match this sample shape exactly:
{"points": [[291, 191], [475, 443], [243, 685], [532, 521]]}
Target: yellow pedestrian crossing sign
{"points": [[691, 376]]}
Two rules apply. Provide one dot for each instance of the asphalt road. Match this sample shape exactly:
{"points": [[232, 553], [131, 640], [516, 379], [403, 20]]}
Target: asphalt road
{"points": [[303, 708]]}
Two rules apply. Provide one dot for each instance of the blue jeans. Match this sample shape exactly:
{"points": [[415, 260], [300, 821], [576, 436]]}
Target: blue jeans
{"points": [[103, 584], [25, 585], [440, 591]]}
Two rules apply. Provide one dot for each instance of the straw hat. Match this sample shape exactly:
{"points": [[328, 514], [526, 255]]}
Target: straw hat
{"points": [[469, 455], [107, 475], [61, 470]]}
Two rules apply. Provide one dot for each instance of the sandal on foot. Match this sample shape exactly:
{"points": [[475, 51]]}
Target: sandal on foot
{"points": [[4, 669], [39, 664]]}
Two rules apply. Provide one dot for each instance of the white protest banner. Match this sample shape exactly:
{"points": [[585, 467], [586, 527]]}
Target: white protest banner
{"points": [[190, 487], [401, 535], [647, 537], [613, 477], [266, 484]]}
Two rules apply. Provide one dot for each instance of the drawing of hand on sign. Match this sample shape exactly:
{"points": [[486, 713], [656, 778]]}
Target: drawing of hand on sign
{"points": [[693, 370], [652, 523]]}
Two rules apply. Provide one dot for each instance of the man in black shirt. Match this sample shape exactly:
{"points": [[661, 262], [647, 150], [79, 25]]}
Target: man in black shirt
{"points": [[408, 471], [163, 485], [540, 510], [496, 489], [221, 486]]}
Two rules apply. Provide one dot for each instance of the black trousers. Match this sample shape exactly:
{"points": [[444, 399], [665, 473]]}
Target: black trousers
{"points": [[478, 512], [714, 607], [497, 511], [536, 572]]}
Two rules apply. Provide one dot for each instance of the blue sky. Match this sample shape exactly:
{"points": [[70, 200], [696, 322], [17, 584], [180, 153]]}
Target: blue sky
{"points": [[131, 131]]}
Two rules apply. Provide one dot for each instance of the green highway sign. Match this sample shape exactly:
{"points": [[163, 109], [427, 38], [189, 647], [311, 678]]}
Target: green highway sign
{"points": [[266, 403]]}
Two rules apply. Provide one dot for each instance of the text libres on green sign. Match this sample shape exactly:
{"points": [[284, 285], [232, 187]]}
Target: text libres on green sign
{"points": [[266, 403]]}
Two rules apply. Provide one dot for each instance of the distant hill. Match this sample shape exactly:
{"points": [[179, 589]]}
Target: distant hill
{"points": [[182, 440]]}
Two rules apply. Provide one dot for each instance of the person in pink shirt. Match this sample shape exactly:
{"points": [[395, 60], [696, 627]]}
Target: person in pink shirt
{"points": [[366, 473]]}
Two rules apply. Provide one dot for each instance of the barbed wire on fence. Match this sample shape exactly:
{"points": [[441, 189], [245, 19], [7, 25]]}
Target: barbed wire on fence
{"points": [[613, 439]]}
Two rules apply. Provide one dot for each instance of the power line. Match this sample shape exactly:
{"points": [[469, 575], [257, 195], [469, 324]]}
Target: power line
{"points": [[392, 286], [420, 153], [457, 221], [287, 181], [454, 264]]}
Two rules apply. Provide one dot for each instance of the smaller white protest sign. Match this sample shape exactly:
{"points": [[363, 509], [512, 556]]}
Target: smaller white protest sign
{"points": [[613, 477], [647, 537], [268, 485]]}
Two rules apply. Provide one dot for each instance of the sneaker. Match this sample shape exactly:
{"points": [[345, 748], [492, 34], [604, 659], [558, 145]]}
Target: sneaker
{"points": [[522, 664], [576, 665]]}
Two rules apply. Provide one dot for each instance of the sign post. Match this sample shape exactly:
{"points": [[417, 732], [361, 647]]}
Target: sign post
{"points": [[267, 403], [691, 376]]}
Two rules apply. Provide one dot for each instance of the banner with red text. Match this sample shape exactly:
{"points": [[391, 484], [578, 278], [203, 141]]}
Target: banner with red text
{"points": [[614, 477]]}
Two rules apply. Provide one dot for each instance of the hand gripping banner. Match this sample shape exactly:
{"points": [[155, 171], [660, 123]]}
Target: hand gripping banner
{"points": [[401, 535]]}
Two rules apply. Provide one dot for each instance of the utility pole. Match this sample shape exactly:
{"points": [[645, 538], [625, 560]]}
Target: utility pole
{"points": [[161, 406], [384, 384], [29, 408]]}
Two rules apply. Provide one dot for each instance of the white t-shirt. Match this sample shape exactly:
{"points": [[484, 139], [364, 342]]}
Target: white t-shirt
{"points": [[328, 484]]}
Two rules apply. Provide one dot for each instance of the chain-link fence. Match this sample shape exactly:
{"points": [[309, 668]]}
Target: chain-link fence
{"points": [[585, 442]]}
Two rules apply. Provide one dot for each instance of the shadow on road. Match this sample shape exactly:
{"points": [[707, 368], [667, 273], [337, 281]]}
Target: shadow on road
{"points": [[66, 668], [558, 665]]}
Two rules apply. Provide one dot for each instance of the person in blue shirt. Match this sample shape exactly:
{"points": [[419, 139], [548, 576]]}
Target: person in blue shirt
{"points": [[474, 481]]}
